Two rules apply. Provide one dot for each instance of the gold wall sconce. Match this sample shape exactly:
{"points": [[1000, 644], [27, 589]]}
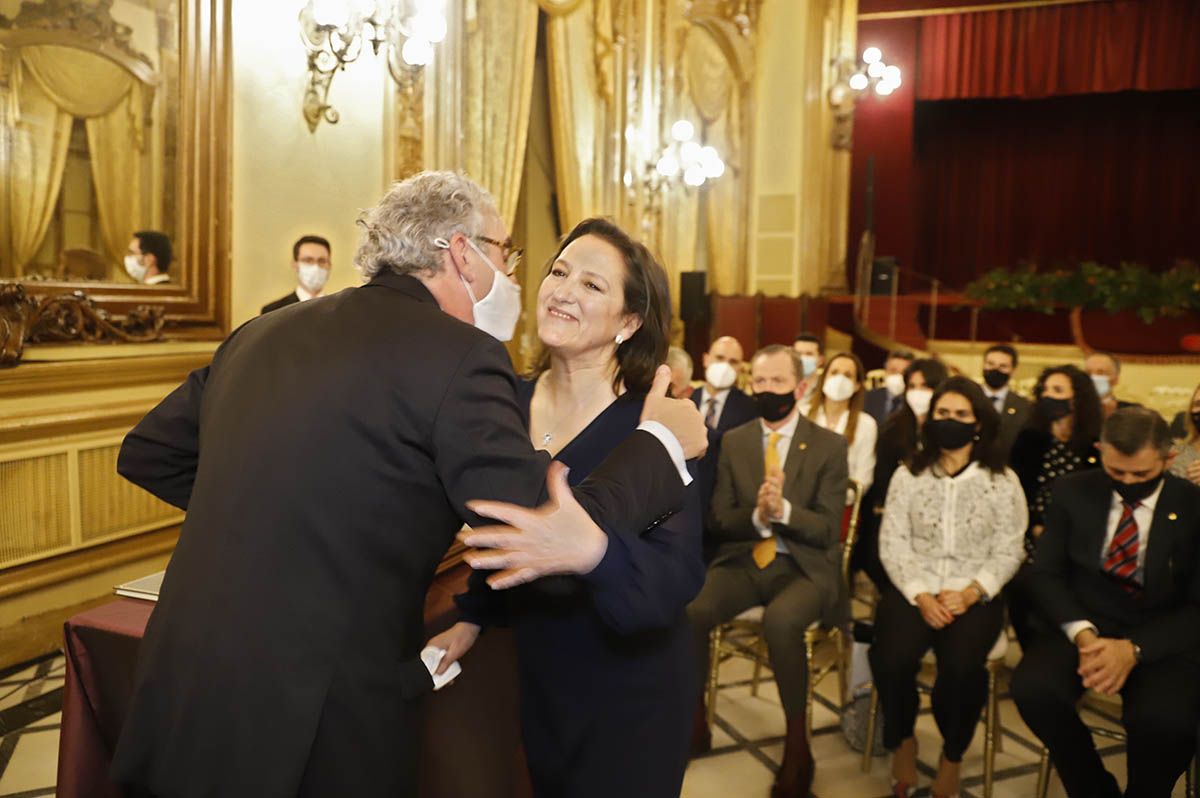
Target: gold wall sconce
{"points": [[334, 33]]}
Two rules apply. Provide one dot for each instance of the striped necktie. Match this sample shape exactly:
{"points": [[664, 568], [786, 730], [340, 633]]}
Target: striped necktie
{"points": [[710, 413], [1121, 560]]}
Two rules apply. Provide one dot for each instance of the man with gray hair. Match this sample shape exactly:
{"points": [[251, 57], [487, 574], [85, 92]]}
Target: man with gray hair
{"points": [[326, 459], [680, 363], [1117, 570]]}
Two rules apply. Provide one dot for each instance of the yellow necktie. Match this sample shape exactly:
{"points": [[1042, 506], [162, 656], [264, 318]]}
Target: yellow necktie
{"points": [[764, 550]]}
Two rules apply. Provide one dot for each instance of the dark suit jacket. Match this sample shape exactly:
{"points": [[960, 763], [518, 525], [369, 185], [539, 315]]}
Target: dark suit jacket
{"points": [[282, 302], [816, 475], [325, 471], [1069, 585], [739, 408], [876, 403], [1012, 420]]}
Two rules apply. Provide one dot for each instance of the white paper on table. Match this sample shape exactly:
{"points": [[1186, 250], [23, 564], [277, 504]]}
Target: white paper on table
{"points": [[432, 656]]}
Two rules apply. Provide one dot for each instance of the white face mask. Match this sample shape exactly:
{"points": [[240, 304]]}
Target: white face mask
{"points": [[312, 276], [1103, 386], [135, 268], [497, 313], [918, 400], [720, 375], [809, 364], [894, 383], [838, 387]]}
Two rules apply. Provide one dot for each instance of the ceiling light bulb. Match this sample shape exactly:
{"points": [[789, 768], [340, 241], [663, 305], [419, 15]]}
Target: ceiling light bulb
{"points": [[859, 81], [892, 74], [875, 69], [872, 55], [694, 175], [884, 89], [417, 52], [668, 165], [429, 25], [689, 151], [714, 169], [683, 130], [330, 13]]}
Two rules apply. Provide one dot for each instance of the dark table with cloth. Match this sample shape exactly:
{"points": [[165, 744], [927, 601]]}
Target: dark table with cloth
{"points": [[470, 742]]}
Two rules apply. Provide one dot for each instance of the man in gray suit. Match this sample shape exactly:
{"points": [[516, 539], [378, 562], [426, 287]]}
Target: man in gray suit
{"points": [[776, 515], [999, 363]]}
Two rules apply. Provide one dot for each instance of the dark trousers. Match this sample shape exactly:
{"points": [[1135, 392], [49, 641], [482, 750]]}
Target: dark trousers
{"points": [[1160, 707], [960, 689], [792, 604], [865, 556]]}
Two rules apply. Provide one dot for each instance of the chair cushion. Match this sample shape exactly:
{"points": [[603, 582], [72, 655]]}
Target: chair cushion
{"points": [[1000, 649]]}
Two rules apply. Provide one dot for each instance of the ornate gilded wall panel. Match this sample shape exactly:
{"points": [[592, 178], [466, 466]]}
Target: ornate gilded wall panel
{"points": [[110, 505]]}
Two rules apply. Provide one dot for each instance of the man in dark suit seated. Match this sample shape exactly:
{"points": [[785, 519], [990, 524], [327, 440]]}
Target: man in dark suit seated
{"points": [[882, 402], [311, 260], [724, 407], [1105, 371], [999, 363], [1118, 571], [777, 512]]}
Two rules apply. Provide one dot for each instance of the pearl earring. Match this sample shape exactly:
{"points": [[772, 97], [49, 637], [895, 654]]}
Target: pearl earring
{"points": [[619, 339]]}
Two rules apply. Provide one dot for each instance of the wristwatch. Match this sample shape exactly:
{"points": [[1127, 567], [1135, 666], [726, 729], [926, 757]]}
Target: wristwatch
{"points": [[984, 598]]}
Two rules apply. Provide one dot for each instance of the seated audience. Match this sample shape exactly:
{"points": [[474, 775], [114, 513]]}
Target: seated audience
{"points": [[311, 261], [1118, 572], [1059, 438], [882, 402], [812, 357], [999, 363], [951, 539], [898, 441], [724, 406], [148, 257], [840, 409], [680, 363], [777, 512], [1186, 462], [1105, 371]]}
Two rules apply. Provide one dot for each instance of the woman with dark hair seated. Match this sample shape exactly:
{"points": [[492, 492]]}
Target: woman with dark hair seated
{"points": [[898, 441], [606, 662], [951, 539], [1059, 438]]}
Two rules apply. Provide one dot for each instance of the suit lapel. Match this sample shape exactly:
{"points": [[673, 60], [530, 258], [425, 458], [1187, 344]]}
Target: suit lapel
{"points": [[754, 454], [799, 448], [1168, 515], [1095, 520]]}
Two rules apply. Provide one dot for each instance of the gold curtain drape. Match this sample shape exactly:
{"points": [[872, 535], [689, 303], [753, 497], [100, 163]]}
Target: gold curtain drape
{"points": [[579, 49], [724, 207], [91, 87], [501, 44], [41, 132]]}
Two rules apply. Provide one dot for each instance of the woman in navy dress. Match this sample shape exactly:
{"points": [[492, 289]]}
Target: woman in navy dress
{"points": [[606, 669]]}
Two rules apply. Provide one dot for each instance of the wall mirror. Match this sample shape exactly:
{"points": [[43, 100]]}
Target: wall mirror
{"points": [[114, 119]]}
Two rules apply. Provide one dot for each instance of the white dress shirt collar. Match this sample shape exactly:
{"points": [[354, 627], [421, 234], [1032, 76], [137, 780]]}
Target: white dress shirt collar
{"points": [[303, 295]]}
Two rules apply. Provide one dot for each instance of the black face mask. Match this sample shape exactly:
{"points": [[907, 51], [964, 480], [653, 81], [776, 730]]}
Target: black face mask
{"points": [[949, 434], [1053, 408], [775, 406], [995, 379], [1135, 491]]}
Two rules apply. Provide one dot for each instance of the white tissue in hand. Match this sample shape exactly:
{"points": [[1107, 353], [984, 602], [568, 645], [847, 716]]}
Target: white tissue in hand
{"points": [[432, 656]]}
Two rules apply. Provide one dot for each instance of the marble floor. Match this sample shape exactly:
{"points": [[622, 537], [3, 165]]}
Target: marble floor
{"points": [[747, 742]]}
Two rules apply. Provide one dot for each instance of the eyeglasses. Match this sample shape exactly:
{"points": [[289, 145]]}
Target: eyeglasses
{"points": [[512, 256]]}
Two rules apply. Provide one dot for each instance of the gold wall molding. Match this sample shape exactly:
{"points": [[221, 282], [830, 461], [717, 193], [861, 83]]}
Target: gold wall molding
{"points": [[975, 9], [35, 381]]}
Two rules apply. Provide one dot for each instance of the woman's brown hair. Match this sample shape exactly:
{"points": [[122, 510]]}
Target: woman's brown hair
{"points": [[646, 296], [856, 401]]}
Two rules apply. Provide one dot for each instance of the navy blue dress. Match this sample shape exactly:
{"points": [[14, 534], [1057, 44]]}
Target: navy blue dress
{"points": [[605, 661]]}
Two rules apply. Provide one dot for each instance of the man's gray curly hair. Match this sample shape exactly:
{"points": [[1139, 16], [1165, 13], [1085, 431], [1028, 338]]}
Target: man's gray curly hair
{"points": [[400, 231]]}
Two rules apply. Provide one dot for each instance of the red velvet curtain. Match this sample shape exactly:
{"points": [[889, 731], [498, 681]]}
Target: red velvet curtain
{"points": [[1108, 177], [1148, 45]]}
